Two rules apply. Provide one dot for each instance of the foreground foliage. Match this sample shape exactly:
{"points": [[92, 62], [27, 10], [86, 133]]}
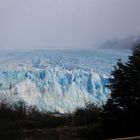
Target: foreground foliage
{"points": [[19, 121], [122, 110]]}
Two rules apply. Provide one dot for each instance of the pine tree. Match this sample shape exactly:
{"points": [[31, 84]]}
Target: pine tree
{"points": [[122, 110]]}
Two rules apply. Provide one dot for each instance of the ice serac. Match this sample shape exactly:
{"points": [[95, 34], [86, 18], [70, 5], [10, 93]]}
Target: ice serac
{"points": [[56, 80], [53, 89]]}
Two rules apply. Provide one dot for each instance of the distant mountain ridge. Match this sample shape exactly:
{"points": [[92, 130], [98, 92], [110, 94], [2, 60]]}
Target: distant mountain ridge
{"points": [[125, 43]]}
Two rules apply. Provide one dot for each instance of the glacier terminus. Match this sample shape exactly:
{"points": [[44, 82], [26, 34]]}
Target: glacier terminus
{"points": [[57, 80]]}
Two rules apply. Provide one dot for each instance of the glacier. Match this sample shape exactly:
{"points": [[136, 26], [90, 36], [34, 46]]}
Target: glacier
{"points": [[57, 80]]}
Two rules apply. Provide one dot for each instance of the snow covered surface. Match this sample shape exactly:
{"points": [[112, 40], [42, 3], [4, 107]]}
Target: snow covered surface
{"points": [[57, 80]]}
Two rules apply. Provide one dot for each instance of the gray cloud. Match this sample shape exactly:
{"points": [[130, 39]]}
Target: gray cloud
{"points": [[66, 23]]}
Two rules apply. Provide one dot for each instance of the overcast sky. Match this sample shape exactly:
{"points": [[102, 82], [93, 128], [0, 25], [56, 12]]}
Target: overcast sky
{"points": [[66, 23]]}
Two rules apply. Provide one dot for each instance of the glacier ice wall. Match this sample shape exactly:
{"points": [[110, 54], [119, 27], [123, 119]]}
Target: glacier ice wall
{"points": [[54, 89], [56, 80]]}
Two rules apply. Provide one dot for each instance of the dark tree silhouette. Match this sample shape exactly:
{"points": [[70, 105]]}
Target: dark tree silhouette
{"points": [[88, 115], [122, 111]]}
